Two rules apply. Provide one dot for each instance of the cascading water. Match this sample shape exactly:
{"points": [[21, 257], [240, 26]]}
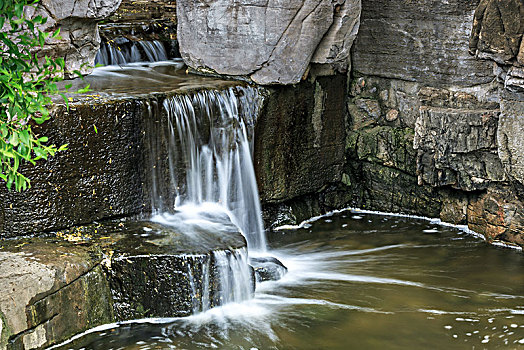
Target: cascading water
{"points": [[209, 138], [203, 177], [124, 52]]}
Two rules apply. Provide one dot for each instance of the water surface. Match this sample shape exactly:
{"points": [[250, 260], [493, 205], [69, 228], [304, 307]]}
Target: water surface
{"points": [[358, 281]]}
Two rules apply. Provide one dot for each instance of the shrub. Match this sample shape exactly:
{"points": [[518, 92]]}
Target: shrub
{"points": [[26, 83]]}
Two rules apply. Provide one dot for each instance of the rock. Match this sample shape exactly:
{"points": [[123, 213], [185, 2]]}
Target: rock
{"points": [[454, 208], [497, 29], [510, 138], [77, 21], [51, 290], [392, 115], [267, 268], [163, 272], [422, 41], [463, 156], [299, 139], [272, 42], [336, 44], [57, 286], [498, 215], [104, 173]]}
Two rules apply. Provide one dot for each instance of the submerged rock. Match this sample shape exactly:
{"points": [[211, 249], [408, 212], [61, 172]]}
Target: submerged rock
{"points": [[267, 268]]}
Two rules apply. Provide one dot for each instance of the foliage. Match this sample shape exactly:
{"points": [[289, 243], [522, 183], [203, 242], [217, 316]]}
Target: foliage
{"points": [[26, 83]]}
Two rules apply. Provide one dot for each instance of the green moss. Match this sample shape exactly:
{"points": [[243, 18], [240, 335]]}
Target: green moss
{"points": [[5, 332]]}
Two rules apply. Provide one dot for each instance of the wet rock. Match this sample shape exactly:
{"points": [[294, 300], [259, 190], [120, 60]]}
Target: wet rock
{"points": [[256, 36], [422, 41], [105, 173], [77, 21], [454, 208], [163, 272], [267, 268], [498, 214], [299, 139], [97, 177]]}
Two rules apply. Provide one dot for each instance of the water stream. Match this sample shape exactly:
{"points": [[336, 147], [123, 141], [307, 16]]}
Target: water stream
{"points": [[355, 280], [358, 281]]}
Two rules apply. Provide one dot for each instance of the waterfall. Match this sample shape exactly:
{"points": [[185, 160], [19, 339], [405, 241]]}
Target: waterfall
{"points": [[209, 141], [123, 51]]}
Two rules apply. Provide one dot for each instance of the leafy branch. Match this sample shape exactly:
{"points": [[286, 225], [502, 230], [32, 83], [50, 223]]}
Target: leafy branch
{"points": [[27, 82]]}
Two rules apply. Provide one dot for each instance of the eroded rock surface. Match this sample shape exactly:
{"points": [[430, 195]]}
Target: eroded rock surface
{"points": [[51, 290], [272, 42], [78, 23]]}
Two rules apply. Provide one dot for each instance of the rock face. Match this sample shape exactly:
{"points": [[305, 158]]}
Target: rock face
{"points": [[78, 23], [432, 131], [57, 286], [422, 41], [51, 290], [272, 42]]}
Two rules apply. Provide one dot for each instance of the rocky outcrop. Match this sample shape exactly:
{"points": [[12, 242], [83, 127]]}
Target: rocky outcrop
{"points": [[272, 42], [57, 286], [78, 23], [460, 156], [51, 290]]}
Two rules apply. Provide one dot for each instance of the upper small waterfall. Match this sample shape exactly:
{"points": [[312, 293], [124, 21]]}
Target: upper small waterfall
{"points": [[209, 142], [124, 51]]}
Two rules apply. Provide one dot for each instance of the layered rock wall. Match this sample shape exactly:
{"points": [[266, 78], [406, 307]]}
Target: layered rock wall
{"points": [[412, 75]]}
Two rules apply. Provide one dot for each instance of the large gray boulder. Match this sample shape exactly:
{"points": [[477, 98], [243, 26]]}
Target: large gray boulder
{"points": [[78, 23], [271, 41]]}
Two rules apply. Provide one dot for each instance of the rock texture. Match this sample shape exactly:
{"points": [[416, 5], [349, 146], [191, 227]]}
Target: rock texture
{"points": [[299, 139], [78, 23], [51, 290], [273, 41], [78, 186], [57, 286], [459, 125], [422, 41]]}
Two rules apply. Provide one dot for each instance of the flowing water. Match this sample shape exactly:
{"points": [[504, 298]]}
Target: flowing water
{"points": [[209, 138], [130, 51], [358, 281], [354, 280]]}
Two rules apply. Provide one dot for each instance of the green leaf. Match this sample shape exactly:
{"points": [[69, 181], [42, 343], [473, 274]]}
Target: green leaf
{"points": [[24, 136], [13, 140]]}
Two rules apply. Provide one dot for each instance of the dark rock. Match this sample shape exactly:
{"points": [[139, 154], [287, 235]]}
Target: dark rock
{"points": [[463, 156], [299, 139], [497, 29], [267, 268]]}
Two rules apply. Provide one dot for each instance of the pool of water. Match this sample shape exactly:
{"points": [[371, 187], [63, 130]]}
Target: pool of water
{"points": [[358, 281]]}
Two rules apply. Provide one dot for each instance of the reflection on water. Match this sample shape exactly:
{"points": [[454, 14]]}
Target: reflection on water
{"points": [[358, 281], [143, 78]]}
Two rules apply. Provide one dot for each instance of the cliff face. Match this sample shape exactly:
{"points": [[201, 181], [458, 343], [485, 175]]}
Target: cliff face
{"points": [[432, 129], [424, 115]]}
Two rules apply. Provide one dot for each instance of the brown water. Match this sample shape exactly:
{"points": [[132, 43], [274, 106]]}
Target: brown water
{"points": [[358, 281]]}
